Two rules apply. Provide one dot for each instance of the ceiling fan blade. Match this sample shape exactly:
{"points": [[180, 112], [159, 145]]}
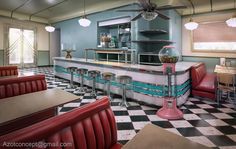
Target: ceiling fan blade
{"points": [[145, 4], [137, 17], [167, 7], [161, 15], [130, 10]]}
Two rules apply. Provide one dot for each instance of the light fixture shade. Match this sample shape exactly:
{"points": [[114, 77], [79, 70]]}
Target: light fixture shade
{"points": [[149, 15], [231, 22], [191, 25], [84, 22], [49, 28]]}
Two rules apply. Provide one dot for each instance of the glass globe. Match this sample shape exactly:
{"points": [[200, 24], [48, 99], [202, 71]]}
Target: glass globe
{"points": [[168, 54]]}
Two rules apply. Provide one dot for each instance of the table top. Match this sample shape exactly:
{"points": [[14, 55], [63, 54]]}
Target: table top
{"points": [[153, 137], [225, 69], [26, 104]]}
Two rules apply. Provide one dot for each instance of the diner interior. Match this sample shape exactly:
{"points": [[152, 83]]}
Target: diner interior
{"points": [[132, 74]]}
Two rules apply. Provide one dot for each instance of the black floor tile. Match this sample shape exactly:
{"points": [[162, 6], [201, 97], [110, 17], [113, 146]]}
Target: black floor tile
{"points": [[226, 129], [66, 109], [150, 112], [206, 116], [230, 121], [139, 118], [213, 110], [199, 123], [134, 108], [120, 113], [221, 140], [189, 132], [125, 126], [163, 124]]}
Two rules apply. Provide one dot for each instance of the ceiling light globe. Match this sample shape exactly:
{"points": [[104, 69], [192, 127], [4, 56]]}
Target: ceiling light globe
{"points": [[231, 22], [84, 22], [49, 28], [191, 25], [149, 15]]}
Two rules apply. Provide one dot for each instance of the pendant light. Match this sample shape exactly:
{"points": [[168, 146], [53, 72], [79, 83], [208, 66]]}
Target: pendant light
{"points": [[191, 25], [232, 21], [84, 21], [49, 28]]}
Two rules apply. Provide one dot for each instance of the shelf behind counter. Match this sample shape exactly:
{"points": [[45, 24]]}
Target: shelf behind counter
{"points": [[108, 51]]}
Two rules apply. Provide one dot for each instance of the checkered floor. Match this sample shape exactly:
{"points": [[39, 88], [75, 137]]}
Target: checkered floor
{"points": [[204, 122]]}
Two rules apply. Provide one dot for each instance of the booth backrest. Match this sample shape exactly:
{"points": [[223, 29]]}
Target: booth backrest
{"points": [[22, 85], [91, 126], [198, 72], [8, 71]]}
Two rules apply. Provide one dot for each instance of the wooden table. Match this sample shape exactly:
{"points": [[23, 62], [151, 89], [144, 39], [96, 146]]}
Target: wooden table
{"points": [[24, 110], [153, 137], [224, 69]]}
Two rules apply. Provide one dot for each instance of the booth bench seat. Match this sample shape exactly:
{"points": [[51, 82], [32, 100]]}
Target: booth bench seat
{"points": [[91, 126], [8, 71], [15, 86], [203, 84], [21, 85]]}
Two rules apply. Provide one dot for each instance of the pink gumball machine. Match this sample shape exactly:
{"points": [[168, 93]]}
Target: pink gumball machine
{"points": [[169, 56]]}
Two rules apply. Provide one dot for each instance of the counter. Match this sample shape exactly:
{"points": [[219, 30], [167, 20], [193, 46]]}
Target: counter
{"points": [[148, 81]]}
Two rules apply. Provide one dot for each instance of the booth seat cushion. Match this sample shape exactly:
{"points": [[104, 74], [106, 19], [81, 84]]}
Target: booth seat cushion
{"points": [[203, 84], [207, 83], [8, 71], [91, 126], [197, 73], [22, 85]]}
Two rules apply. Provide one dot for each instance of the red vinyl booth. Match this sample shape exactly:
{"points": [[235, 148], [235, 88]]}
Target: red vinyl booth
{"points": [[203, 84], [91, 126], [8, 71], [22, 85]]}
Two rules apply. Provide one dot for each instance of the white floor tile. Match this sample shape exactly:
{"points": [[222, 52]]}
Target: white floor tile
{"points": [[191, 117], [125, 134], [204, 106], [122, 119], [139, 125], [155, 118], [198, 111], [216, 122], [202, 140], [136, 112], [222, 115], [181, 124], [173, 130], [207, 131]]}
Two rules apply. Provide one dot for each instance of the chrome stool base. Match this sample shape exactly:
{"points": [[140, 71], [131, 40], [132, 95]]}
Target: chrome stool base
{"points": [[71, 70], [108, 76], [82, 72], [93, 74], [124, 80]]}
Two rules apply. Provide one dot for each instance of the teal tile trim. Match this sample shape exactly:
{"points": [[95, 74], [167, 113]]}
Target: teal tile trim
{"points": [[139, 87], [43, 58]]}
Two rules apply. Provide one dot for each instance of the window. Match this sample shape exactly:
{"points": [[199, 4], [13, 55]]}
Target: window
{"points": [[21, 46], [214, 37]]}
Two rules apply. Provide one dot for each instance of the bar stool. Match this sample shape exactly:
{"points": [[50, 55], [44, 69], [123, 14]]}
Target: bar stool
{"points": [[124, 80], [93, 74], [108, 76], [82, 72], [71, 70]]}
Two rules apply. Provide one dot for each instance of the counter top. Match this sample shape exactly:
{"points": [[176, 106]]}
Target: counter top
{"points": [[180, 66], [109, 49]]}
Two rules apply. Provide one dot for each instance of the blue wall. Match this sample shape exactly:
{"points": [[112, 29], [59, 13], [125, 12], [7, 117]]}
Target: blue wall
{"points": [[73, 33]]}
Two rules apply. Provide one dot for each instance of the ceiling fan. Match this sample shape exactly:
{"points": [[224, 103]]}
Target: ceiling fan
{"points": [[149, 11]]}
